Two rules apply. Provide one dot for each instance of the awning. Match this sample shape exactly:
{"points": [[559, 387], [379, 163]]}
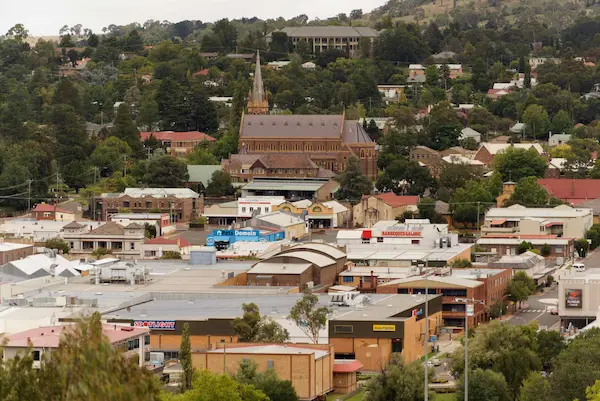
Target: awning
{"points": [[346, 366], [554, 223], [497, 222]]}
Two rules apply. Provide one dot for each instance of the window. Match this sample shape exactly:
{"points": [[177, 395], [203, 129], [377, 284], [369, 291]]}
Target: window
{"points": [[366, 241], [36, 355], [348, 279], [402, 290], [270, 364], [244, 209], [415, 241], [171, 355], [379, 239], [343, 329], [558, 249], [71, 245], [132, 246], [146, 340], [430, 291], [453, 292], [125, 203]]}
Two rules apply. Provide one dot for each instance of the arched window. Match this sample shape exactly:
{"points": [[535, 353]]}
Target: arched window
{"points": [[362, 153]]}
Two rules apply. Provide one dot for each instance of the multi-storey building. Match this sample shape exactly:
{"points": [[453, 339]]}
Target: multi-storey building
{"points": [[123, 242], [182, 204], [329, 140], [323, 38]]}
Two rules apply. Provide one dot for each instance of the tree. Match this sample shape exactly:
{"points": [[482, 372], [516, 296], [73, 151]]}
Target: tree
{"points": [[515, 163], [593, 392], [479, 77], [208, 386], [201, 156], [220, 184], [353, 183], [562, 122], [253, 328], [165, 172], [535, 387], [520, 287], [545, 251], [310, 319], [397, 382], [582, 246], [502, 348], [267, 382], [227, 33], [125, 128], [432, 76], [536, 118], [456, 175], [529, 193], [427, 211], [443, 126], [185, 357], [101, 369], [484, 385], [549, 345], [67, 93], [577, 367], [59, 244], [108, 156], [405, 177], [280, 43], [148, 114]]}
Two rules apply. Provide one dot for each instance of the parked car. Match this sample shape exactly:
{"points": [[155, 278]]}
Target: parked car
{"points": [[554, 311]]}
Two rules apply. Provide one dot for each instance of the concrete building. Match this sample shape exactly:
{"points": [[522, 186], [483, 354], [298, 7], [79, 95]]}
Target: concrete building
{"points": [[392, 93], [293, 226], [320, 189], [122, 241], [309, 368], [532, 264], [392, 324], [386, 206], [47, 339], [488, 151], [161, 221], [562, 221], [36, 266], [155, 248], [39, 231], [323, 38], [507, 244], [178, 144], [10, 251], [330, 214], [44, 211], [578, 297], [182, 204]]}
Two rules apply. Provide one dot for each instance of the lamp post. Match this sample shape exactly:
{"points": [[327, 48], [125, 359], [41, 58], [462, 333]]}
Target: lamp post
{"points": [[468, 302]]}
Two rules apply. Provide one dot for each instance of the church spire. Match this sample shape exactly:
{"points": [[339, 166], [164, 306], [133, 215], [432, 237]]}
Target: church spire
{"points": [[257, 101]]}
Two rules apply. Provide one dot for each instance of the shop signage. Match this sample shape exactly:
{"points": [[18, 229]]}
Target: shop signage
{"points": [[384, 327], [236, 233], [470, 310], [156, 324], [574, 298], [401, 233]]}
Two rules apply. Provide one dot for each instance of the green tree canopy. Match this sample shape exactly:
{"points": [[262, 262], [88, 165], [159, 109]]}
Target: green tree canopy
{"points": [[397, 382], [252, 327], [267, 382], [308, 317], [484, 385], [165, 172], [125, 128], [353, 183], [515, 163], [220, 184]]}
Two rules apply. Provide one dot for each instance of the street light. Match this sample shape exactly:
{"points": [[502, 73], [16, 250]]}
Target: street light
{"points": [[468, 312]]}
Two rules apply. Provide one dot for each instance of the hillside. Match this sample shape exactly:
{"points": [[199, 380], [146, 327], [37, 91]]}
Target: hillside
{"points": [[553, 13]]}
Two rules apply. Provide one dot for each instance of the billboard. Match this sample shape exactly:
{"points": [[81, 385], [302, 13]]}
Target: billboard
{"points": [[155, 324], [574, 298]]}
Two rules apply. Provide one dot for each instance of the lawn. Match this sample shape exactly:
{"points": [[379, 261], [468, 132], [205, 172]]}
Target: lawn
{"points": [[356, 397], [445, 397]]}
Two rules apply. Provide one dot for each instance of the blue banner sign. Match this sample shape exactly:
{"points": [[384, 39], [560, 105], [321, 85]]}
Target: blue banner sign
{"points": [[236, 233]]}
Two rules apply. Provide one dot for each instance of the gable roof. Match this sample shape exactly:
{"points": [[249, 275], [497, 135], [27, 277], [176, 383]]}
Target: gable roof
{"points": [[177, 136], [574, 191], [393, 200], [328, 31], [495, 148], [168, 241], [110, 228], [44, 207], [469, 132], [73, 224]]}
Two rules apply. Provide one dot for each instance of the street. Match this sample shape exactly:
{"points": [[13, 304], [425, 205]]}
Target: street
{"points": [[538, 307]]}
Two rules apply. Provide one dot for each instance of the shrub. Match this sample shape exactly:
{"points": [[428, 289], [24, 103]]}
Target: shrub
{"points": [[101, 252], [58, 243], [171, 255], [545, 251], [461, 264]]}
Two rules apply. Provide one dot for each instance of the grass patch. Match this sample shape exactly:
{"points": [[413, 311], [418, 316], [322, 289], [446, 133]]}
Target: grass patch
{"points": [[444, 397], [356, 397]]}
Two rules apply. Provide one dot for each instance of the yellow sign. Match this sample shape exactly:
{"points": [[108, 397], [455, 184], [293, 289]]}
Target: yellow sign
{"points": [[384, 327]]}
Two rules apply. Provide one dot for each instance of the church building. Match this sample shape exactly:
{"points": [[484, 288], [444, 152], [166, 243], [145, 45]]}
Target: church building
{"points": [[328, 139]]}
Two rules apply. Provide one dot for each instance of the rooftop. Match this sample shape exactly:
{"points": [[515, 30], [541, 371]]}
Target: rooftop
{"points": [[329, 31], [13, 246], [383, 307], [574, 191], [435, 281], [285, 184], [393, 200], [495, 148], [202, 174], [138, 216], [280, 219], [44, 207], [404, 253], [49, 337], [517, 212], [154, 192], [177, 136], [279, 268], [271, 349]]}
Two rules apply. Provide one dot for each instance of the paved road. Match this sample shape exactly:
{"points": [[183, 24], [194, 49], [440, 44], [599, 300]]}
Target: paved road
{"points": [[538, 308]]}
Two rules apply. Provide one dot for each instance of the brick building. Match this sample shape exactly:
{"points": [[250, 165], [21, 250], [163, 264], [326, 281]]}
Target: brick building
{"points": [[182, 204], [10, 251], [328, 139], [308, 367], [386, 206], [178, 144], [488, 151], [243, 168], [44, 211]]}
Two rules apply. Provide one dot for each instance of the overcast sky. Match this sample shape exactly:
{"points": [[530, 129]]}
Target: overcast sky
{"points": [[46, 17]]}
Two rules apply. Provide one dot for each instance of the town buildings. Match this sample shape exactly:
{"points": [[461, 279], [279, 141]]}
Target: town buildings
{"points": [[162, 221], [182, 204], [121, 241], [309, 368], [323, 38], [328, 139], [178, 144], [572, 190], [561, 221], [155, 248], [10, 251], [330, 214], [488, 151], [386, 206], [132, 340], [293, 189], [578, 297], [44, 211], [415, 70]]}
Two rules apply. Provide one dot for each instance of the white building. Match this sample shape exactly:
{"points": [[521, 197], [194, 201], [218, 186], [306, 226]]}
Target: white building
{"points": [[255, 205], [125, 242], [578, 297], [558, 139], [39, 231], [467, 133], [561, 221]]}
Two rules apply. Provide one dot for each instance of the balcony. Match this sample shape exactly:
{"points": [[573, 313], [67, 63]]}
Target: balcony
{"points": [[499, 230]]}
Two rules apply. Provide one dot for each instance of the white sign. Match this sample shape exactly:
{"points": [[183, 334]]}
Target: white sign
{"points": [[470, 310]]}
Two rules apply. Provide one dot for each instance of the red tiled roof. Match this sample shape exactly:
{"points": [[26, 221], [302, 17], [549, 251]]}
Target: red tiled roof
{"points": [[520, 236], [177, 136], [201, 72], [346, 366], [574, 191], [393, 200], [44, 207], [168, 241]]}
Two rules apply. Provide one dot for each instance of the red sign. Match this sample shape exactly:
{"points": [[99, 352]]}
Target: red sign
{"points": [[401, 233]]}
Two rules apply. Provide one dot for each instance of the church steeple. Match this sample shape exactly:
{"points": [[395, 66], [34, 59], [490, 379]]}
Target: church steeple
{"points": [[257, 99]]}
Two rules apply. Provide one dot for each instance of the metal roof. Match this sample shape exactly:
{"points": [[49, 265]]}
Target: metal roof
{"points": [[437, 280], [202, 173], [285, 185], [279, 268], [312, 257], [329, 31], [517, 212], [328, 249]]}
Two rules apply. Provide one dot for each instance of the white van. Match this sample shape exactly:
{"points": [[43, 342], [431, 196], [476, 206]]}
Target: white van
{"points": [[579, 267]]}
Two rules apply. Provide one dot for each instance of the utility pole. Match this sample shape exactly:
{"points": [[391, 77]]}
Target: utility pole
{"points": [[468, 302], [29, 195]]}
